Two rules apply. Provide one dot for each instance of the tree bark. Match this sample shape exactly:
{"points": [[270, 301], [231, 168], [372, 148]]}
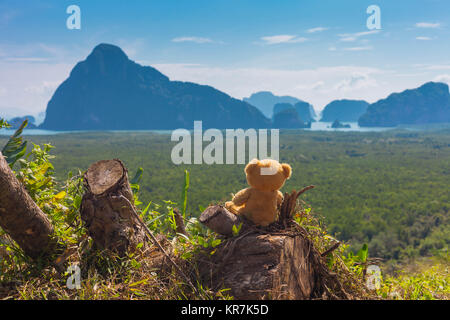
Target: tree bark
{"points": [[107, 208], [263, 266], [21, 218]]}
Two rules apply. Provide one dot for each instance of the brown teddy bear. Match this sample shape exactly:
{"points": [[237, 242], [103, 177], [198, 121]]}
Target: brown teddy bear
{"points": [[261, 201]]}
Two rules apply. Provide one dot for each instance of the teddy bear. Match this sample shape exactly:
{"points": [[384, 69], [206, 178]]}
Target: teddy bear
{"points": [[260, 202]]}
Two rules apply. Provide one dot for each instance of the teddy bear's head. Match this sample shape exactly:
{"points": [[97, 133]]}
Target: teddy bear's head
{"points": [[268, 174]]}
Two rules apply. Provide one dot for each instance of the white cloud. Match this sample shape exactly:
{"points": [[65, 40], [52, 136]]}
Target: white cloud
{"points": [[46, 87], [318, 29], [132, 47], [423, 38], [192, 39], [318, 86], [433, 66], [283, 38], [356, 81], [34, 52], [348, 39], [351, 37], [28, 86], [314, 86], [358, 48], [25, 59], [443, 78], [428, 25]]}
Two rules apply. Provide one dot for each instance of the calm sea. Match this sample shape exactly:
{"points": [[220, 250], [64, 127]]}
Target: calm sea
{"points": [[315, 126]]}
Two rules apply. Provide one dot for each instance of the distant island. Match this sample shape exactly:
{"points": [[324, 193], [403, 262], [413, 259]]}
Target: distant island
{"points": [[304, 110], [344, 110], [429, 103], [108, 91], [339, 125], [266, 102], [17, 121], [289, 119]]}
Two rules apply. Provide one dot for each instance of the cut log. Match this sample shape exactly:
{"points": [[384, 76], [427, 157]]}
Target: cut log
{"points": [[21, 218], [107, 208], [220, 220], [276, 262]]}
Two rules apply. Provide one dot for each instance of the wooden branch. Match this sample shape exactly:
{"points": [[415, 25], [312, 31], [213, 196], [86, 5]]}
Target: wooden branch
{"points": [[220, 220], [331, 249], [289, 203], [21, 218], [156, 242], [179, 222]]}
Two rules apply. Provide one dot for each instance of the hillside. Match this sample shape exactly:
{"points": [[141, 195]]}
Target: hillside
{"points": [[266, 100], [398, 214], [387, 189], [288, 119], [344, 110], [304, 110], [429, 103], [108, 91]]}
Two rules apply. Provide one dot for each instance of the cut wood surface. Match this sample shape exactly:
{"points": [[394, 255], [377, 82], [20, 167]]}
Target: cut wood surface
{"points": [[20, 217], [220, 220], [108, 210]]}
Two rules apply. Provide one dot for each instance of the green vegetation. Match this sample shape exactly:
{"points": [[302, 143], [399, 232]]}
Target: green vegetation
{"points": [[389, 190], [15, 147], [423, 280]]}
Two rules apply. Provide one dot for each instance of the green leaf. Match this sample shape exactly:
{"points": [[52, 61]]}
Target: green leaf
{"points": [[15, 148], [236, 229], [184, 194], [137, 177], [330, 261], [215, 242], [146, 208], [363, 253], [4, 124]]}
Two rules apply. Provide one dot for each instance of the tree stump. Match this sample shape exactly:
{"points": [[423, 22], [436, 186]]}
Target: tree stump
{"points": [[21, 218], [263, 266], [107, 208], [276, 262]]}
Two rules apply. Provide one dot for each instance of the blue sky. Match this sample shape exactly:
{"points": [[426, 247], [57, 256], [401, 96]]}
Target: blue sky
{"points": [[315, 50]]}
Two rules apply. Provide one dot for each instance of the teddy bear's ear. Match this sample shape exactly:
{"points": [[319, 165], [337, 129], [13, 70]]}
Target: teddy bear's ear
{"points": [[287, 170], [252, 165]]}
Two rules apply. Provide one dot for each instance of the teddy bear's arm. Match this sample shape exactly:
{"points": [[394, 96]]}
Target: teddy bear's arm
{"points": [[241, 197], [279, 198]]}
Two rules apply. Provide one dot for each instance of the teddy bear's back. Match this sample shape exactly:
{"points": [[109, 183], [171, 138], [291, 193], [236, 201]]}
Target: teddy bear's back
{"points": [[261, 206]]}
